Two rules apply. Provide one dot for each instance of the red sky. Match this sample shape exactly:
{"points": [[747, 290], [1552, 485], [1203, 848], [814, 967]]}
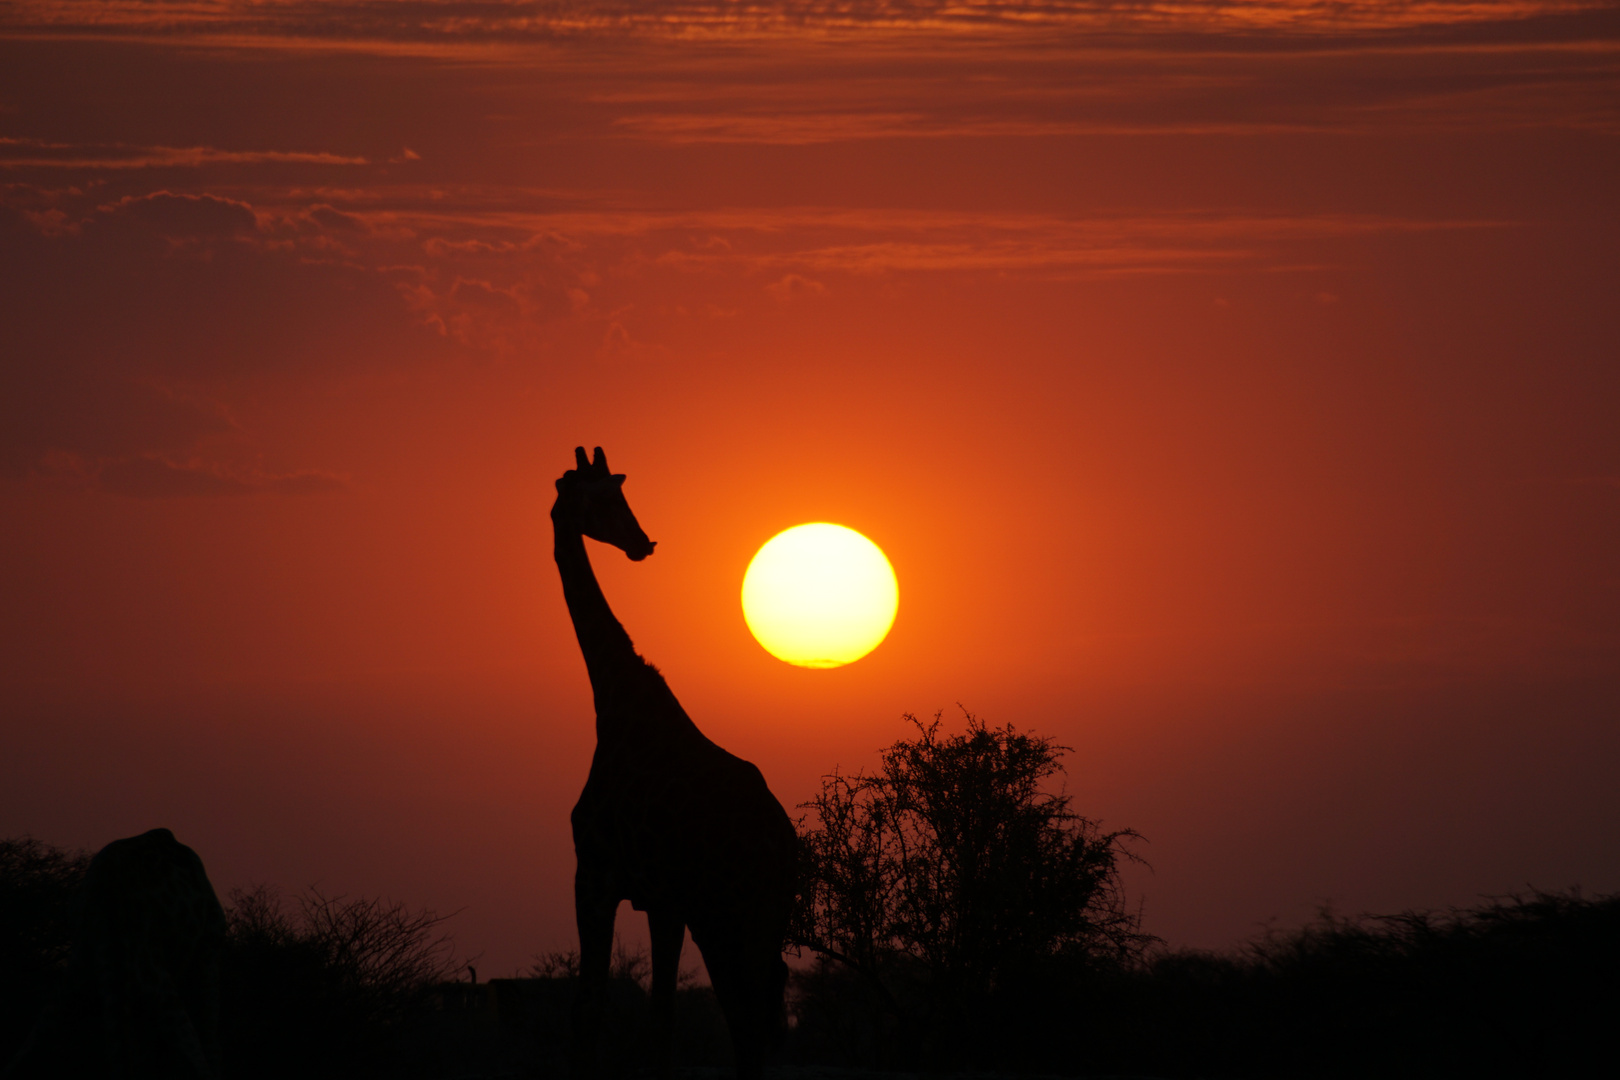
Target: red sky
{"points": [[1232, 386]]}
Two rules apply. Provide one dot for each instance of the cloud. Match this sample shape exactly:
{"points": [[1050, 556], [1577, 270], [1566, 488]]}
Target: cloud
{"points": [[792, 286], [127, 337], [493, 317], [796, 239], [810, 128], [147, 477], [1143, 85], [773, 128], [96, 431], [802, 72], [135, 320], [336, 220], [185, 215], [92, 415], [18, 153], [501, 25]]}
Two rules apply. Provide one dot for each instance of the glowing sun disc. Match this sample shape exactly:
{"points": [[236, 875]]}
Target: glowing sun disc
{"points": [[820, 595]]}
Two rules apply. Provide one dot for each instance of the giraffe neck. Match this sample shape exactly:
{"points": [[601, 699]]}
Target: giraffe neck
{"points": [[634, 705], [609, 654]]}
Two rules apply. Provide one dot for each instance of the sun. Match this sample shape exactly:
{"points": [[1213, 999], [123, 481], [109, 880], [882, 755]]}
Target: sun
{"points": [[820, 595]]}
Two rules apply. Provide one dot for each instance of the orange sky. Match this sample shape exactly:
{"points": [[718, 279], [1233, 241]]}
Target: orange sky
{"points": [[1233, 388]]}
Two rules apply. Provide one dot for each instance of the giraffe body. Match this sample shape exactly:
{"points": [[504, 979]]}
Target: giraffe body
{"points": [[684, 830]]}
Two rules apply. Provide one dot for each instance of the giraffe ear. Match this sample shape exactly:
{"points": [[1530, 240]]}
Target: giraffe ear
{"points": [[579, 458], [618, 479], [600, 461]]}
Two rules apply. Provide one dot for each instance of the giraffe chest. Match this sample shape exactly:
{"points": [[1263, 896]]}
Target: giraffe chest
{"points": [[670, 833], [627, 815]]}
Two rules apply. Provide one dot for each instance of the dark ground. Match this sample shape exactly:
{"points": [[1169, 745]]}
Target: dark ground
{"points": [[1521, 987]]}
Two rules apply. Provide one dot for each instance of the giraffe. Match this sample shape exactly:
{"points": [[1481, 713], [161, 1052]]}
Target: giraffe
{"points": [[668, 820], [141, 998]]}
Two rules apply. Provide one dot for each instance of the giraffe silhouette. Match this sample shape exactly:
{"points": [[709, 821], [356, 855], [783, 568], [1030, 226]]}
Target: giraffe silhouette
{"points": [[668, 820]]}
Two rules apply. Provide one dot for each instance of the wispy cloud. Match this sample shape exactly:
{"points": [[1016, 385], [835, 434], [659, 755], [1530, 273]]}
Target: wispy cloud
{"points": [[18, 153], [152, 477], [272, 22], [878, 242], [452, 228], [1188, 88], [159, 476], [668, 75], [805, 129], [745, 231]]}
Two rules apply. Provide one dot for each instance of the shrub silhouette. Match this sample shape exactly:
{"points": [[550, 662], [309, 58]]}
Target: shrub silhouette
{"points": [[949, 877], [700, 1034], [1519, 986], [37, 885], [329, 985]]}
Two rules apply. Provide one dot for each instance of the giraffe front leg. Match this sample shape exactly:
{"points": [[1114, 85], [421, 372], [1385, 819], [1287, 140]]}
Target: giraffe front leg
{"points": [[594, 910], [739, 997], [668, 934]]}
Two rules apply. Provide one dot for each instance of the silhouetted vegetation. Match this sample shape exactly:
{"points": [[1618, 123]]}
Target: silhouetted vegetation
{"points": [[37, 884], [327, 986], [701, 1038], [934, 886], [963, 916], [1521, 986]]}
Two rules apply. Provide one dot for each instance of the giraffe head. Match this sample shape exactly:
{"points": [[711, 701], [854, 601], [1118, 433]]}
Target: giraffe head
{"points": [[591, 500]]}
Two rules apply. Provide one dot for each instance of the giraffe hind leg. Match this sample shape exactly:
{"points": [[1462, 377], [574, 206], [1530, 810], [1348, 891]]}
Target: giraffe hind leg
{"points": [[668, 934], [750, 997], [594, 911]]}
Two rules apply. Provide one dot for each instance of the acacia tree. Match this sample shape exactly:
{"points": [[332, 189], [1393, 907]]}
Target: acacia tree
{"points": [[955, 864]]}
